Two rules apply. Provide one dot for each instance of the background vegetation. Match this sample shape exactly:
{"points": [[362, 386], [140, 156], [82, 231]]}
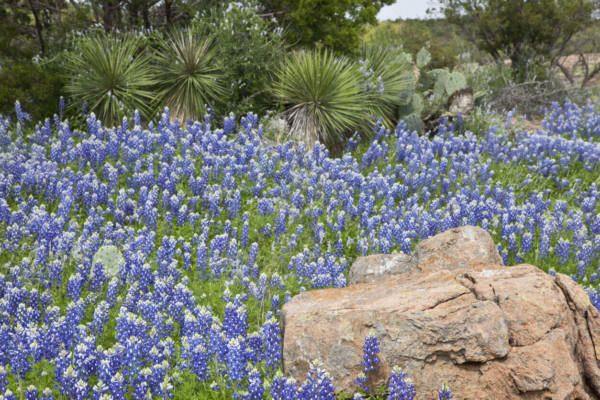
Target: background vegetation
{"points": [[112, 57]]}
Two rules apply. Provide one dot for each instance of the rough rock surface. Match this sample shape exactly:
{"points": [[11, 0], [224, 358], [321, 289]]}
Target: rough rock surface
{"points": [[491, 332], [379, 267], [455, 248], [462, 101]]}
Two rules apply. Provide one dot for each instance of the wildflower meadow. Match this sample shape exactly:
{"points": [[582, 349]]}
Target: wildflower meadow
{"points": [[216, 229]]}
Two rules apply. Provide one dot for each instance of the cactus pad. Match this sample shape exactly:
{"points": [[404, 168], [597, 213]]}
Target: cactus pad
{"points": [[423, 57], [413, 123], [455, 81]]}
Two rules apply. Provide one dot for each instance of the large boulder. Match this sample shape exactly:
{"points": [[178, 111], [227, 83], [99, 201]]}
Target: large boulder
{"points": [[455, 248], [491, 332]]}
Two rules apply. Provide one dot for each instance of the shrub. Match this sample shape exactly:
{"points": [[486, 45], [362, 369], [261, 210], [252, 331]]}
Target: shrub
{"points": [[250, 47], [36, 86], [187, 75], [388, 80], [112, 75], [442, 39], [323, 96]]}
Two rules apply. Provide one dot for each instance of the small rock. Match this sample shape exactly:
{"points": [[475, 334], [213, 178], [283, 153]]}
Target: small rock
{"points": [[462, 101]]}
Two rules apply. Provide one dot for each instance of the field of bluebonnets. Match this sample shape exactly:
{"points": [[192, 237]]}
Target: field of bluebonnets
{"points": [[218, 229]]}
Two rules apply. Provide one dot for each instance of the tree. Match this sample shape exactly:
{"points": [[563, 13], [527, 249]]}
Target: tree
{"points": [[442, 39], [584, 63], [528, 32], [337, 24]]}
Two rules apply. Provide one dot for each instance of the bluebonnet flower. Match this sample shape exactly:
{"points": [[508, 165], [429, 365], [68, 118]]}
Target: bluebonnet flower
{"points": [[318, 385], [99, 390], [81, 390], [236, 360], [361, 381], [22, 116], [563, 251], [370, 349], [235, 321], [445, 393], [278, 386], [61, 106], [255, 385], [47, 395], [3, 379], [270, 334], [399, 386], [8, 395]]}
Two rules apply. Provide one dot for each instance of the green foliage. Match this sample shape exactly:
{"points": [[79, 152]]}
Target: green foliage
{"points": [[440, 39], [442, 83], [439, 78], [187, 74], [14, 16], [431, 99], [322, 96], [389, 80], [488, 79], [482, 119], [36, 86], [111, 75], [528, 32], [250, 50], [336, 24]]}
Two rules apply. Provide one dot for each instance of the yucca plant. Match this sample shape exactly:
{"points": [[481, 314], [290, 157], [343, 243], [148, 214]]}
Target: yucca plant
{"points": [[111, 75], [322, 94], [388, 80], [187, 74]]}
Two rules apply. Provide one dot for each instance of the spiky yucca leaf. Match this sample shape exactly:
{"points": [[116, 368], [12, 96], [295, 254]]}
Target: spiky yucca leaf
{"points": [[388, 76], [188, 75], [111, 75], [323, 96]]}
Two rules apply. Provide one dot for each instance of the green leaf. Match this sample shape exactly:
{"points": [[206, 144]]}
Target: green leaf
{"points": [[439, 88], [414, 107]]}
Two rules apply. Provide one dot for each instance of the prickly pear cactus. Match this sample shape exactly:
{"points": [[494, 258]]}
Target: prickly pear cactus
{"points": [[414, 106], [439, 87], [455, 81], [423, 58], [111, 257], [413, 123], [408, 91]]}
